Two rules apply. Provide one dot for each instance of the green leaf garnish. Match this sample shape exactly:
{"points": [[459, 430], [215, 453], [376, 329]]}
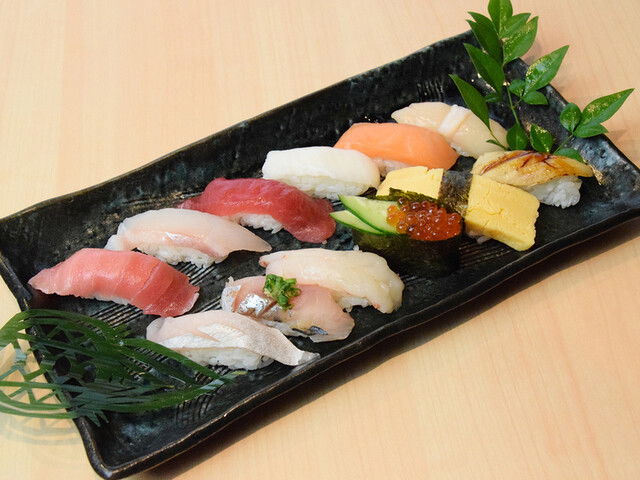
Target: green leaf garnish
{"points": [[570, 116], [94, 368], [517, 87], [586, 131], [603, 108], [500, 11], [486, 35], [282, 290], [514, 24], [520, 42], [473, 98], [487, 67], [541, 139], [503, 37], [493, 97], [571, 153], [535, 98], [517, 138], [542, 71]]}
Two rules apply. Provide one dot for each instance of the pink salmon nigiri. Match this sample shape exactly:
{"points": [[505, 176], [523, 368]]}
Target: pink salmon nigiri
{"points": [[396, 145], [314, 313], [268, 204], [121, 277]]}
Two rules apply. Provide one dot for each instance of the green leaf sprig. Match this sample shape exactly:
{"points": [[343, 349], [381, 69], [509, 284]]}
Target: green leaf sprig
{"points": [[94, 368], [503, 37], [282, 290]]}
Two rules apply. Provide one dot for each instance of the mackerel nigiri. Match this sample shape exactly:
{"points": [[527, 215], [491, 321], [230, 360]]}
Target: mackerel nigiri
{"points": [[176, 235], [395, 145], [121, 277], [464, 131], [354, 277], [267, 204], [314, 313], [215, 337]]}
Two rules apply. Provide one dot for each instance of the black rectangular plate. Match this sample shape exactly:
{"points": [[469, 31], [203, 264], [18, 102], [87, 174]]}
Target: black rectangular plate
{"points": [[49, 232]]}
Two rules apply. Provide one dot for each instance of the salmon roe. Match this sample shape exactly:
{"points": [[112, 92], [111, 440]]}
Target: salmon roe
{"points": [[423, 220]]}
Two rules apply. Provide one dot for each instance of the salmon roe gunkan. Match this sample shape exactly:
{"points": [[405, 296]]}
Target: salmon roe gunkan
{"points": [[423, 220]]}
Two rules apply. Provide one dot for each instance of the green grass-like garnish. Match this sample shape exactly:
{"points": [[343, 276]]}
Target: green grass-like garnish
{"points": [[93, 368]]}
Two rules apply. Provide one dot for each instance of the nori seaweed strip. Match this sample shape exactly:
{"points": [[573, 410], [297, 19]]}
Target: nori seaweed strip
{"points": [[396, 194], [454, 190], [417, 257]]}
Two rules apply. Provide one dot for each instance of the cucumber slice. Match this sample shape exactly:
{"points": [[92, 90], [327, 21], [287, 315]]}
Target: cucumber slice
{"points": [[371, 212], [347, 218]]}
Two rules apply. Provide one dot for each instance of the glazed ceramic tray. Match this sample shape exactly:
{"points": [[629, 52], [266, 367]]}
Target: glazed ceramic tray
{"points": [[49, 232]]}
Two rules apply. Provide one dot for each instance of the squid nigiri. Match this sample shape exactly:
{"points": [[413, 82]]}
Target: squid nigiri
{"points": [[121, 277], [552, 179], [216, 337], [268, 204], [176, 235], [323, 171], [354, 277], [464, 131], [314, 313], [395, 145]]}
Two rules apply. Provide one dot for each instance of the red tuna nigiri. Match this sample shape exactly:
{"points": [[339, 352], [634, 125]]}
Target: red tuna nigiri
{"points": [[408, 145], [122, 277], [258, 202]]}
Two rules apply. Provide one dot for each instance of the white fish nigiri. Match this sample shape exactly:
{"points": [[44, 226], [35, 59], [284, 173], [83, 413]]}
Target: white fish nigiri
{"points": [[323, 171], [464, 131], [216, 337], [314, 313], [177, 235], [355, 277], [552, 179]]}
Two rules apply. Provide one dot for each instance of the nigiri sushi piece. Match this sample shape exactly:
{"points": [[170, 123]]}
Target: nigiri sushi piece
{"points": [[464, 131], [314, 313], [395, 145], [354, 277], [323, 171], [489, 208], [552, 179], [268, 204], [178, 235], [216, 337], [122, 277]]}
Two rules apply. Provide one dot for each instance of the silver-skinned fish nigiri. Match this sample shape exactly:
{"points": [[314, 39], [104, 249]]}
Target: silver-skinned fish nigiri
{"points": [[314, 313]]}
